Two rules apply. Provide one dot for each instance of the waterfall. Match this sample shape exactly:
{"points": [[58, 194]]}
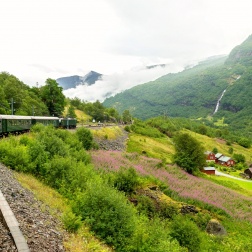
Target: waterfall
{"points": [[218, 102]]}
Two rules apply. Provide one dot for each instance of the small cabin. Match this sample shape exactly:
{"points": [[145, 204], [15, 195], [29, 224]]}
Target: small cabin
{"points": [[209, 170], [210, 156], [226, 161], [217, 156], [248, 172]]}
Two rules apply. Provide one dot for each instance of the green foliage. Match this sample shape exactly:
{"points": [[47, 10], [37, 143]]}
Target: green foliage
{"points": [[186, 233], [108, 213], [145, 206], [244, 142], [230, 150], [71, 112], [239, 158], [215, 150], [25, 101], [167, 210], [153, 236], [126, 180], [52, 95], [14, 155], [144, 129], [71, 222], [189, 153], [127, 128], [85, 137], [126, 116]]}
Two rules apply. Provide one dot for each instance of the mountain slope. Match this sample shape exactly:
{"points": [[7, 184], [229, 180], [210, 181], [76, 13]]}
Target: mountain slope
{"points": [[72, 81], [194, 92], [181, 94]]}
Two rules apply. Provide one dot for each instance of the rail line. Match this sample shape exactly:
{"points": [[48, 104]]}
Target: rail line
{"points": [[10, 227]]}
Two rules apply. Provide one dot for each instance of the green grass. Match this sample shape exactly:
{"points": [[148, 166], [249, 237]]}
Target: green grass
{"points": [[238, 185], [209, 143], [83, 240], [107, 132], [161, 148]]}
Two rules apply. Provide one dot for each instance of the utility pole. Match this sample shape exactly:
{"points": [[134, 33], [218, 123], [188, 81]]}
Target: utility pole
{"points": [[12, 106]]}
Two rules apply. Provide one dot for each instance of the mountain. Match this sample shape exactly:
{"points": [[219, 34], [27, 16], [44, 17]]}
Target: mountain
{"points": [[72, 81], [195, 92]]}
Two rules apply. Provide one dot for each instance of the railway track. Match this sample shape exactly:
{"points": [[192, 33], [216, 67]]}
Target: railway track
{"points": [[6, 242], [11, 237]]}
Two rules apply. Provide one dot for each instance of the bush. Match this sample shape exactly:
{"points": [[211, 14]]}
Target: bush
{"points": [[153, 236], [85, 137], [245, 142], [239, 158], [126, 180], [145, 206], [186, 233], [14, 155], [108, 213], [71, 222], [39, 157]]}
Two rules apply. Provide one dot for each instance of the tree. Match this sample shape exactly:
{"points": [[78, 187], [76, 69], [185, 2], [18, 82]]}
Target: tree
{"points": [[71, 112], [189, 153], [53, 97], [126, 116]]}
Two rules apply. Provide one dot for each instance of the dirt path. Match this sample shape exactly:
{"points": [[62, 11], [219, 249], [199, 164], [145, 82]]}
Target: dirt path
{"points": [[230, 176]]}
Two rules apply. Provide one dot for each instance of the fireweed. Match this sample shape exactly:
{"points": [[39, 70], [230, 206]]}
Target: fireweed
{"points": [[185, 185]]}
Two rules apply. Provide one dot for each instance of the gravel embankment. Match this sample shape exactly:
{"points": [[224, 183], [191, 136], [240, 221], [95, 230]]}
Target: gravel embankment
{"points": [[113, 144], [38, 227]]}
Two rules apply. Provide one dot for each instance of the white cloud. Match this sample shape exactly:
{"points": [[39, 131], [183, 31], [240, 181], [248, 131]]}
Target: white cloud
{"points": [[54, 38], [117, 82]]}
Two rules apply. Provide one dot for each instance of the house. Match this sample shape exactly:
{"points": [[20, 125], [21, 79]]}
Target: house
{"points": [[210, 156], [248, 172], [209, 170], [227, 161], [217, 156]]}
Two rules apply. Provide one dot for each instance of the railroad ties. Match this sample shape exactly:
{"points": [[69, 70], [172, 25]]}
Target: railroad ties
{"points": [[9, 220]]}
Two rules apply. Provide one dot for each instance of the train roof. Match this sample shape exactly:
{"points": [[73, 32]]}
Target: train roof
{"points": [[44, 117], [19, 117], [15, 117]]}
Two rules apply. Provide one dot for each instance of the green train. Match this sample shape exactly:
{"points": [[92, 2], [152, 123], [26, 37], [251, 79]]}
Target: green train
{"points": [[13, 124]]}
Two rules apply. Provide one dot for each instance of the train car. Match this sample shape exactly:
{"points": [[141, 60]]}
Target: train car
{"points": [[45, 120], [67, 123], [10, 124]]}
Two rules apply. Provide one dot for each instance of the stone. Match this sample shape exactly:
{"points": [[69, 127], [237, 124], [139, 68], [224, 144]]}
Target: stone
{"points": [[214, 227]]}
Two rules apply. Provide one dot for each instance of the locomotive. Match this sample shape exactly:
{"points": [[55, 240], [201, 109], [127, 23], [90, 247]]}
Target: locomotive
{"points": [[14, 124]]}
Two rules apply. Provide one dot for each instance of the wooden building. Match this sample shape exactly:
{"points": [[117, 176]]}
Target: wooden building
{"points": [[209, 170], [248, 172], [210, 156]]}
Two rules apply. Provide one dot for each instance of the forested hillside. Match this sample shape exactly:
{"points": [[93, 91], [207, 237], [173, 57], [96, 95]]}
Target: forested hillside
{"points": [[193, 93]]}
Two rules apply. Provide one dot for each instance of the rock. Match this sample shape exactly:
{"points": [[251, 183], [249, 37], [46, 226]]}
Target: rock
{"points": [[214, 227], [37, 225]]}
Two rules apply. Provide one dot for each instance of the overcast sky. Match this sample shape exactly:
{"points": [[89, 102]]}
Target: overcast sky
{"points": [[55, 38]]}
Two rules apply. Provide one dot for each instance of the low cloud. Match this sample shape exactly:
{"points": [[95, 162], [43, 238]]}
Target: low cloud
{"points": [[118, 82]]}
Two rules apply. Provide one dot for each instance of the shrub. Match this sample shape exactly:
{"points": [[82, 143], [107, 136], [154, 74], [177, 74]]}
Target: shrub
{"points": [[153, 236], [14, 155], [108, 213], [85, 137], [38, 157], [186, 233], [127, 128], [239, 158], [126, 180], [145, 206], [71, 222], [245, 142], [168, 210]]}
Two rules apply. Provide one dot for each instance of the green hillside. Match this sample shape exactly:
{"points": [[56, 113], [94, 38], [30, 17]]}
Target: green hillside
{"points": [[194, 92]]}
